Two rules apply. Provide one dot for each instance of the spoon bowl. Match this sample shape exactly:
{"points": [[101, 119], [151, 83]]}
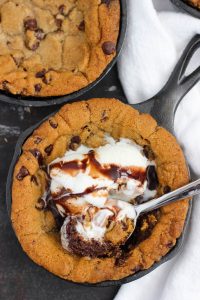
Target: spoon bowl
{"points": [[188, 190]]}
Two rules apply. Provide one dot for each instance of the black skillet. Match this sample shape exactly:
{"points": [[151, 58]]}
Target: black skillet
{"points": [[186, 6], [162, 107], [49, 101]]}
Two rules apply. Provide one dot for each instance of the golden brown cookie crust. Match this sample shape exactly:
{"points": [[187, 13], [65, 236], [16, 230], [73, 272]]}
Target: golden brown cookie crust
{"points": [[91, 120], [52, 48]]}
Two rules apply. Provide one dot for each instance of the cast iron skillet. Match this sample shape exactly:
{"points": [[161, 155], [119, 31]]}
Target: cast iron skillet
{"points": [[47, 101], [192, 10], [162, 107]]}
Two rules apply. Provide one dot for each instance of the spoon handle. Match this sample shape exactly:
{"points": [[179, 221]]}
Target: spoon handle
{"points": [[188, 190]]}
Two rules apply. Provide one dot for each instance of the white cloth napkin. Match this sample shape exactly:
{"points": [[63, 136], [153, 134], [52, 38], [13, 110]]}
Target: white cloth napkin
{"points": [[157, 34]]}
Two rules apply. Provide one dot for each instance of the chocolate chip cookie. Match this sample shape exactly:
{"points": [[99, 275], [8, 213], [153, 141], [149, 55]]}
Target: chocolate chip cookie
{"points": [[68, 186], [51, 48]]}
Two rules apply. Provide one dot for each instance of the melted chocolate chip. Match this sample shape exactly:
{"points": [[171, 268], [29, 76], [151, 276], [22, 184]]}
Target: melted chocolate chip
{"points": [[166, 189], [124, 226], [40, 74], [137, 268], [40, 205], [152, 178], [37, 140], [81, 26], [58, 218], [121, 259], [61, 9], [34, 46], [148, 153], [75, 141], [144, 228], [104, 116], [39, 34], [38, 87], [5, 85], [107, 2], [23, 172], [48, 149], [53, 124], [108, 48], [170, 245], [38, 155], [58, 22], [34, 179], [30, 24], [47, 79]]}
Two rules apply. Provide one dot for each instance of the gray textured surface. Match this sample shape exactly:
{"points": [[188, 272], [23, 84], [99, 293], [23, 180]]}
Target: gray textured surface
{"points": [[20, 278]]}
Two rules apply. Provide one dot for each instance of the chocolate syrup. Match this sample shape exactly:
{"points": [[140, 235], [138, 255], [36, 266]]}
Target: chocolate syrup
{"points": [[112, 172], [70, 166]]}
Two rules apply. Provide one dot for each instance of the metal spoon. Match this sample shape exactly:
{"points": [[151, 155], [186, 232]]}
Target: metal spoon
{"points": [[186, 191]]}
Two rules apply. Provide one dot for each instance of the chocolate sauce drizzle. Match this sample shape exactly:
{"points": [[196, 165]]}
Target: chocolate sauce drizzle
{"points": [[94, 248], [111, 171]]}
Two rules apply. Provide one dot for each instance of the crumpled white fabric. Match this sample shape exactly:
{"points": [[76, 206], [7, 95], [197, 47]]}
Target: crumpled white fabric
{"points": [[157, 34]]}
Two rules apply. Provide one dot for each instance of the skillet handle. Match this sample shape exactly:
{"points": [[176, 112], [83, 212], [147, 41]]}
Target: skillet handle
{"points": [[165, 103]]}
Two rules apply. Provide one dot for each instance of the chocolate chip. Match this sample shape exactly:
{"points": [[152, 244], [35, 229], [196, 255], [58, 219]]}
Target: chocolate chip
{"points": [[148, 152], [137, 268], [30, 24], [75, 141], [38, 155], [5, 85], [121, 259], [53, 124], [152, 178], [23, 172], [34, 179], [124, 226], [52, 207], [40, 74], [170, 245], [38, 87], [145, 225], [108, 48], [48, 149], [47, 78], [33, 46], [37, 140], [61, 9], [107, 2], [104, 116], [81, 26], [58, 22], [166, 189], [39, 34], [40, 205]]}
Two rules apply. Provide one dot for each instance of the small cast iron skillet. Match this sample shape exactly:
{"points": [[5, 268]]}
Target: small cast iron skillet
{"points": [[186, 6], [162, 107], [47, 101]]}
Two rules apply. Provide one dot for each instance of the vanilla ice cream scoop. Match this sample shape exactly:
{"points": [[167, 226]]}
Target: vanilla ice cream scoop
{"points": [[118, 166], [87, 186]]}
